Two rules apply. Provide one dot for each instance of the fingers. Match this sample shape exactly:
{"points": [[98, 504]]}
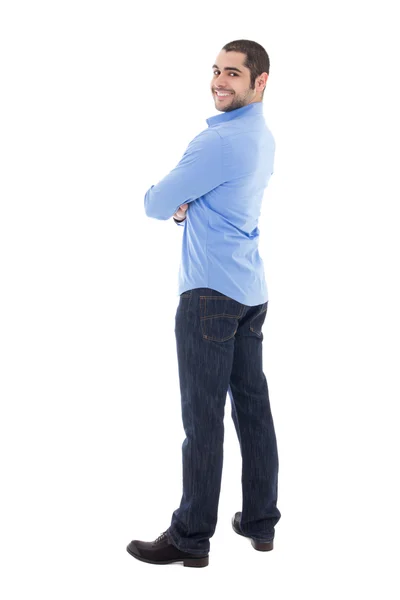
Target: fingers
{"points": [[181, 212]]}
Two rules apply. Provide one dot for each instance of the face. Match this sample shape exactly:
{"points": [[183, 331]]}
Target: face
{"points": [[233, 78]]}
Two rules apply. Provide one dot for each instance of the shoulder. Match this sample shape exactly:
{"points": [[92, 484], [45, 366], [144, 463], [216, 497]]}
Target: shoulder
{"points": [[208, 138], [205, 146]]}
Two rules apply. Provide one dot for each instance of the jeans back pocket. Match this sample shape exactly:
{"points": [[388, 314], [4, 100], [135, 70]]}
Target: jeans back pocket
{"points": [[258, 320], [219, 317]]}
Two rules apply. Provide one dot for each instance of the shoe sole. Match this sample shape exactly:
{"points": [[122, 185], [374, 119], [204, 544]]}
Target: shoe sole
{"points": [[260, 546], [187, 562]]}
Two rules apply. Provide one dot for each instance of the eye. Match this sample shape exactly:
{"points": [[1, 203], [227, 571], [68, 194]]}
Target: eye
{"points": [[231, 73]]}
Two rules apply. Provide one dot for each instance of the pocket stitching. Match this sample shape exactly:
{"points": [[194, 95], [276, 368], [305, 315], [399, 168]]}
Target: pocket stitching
{"points": [[203, 317], [259, 333]]}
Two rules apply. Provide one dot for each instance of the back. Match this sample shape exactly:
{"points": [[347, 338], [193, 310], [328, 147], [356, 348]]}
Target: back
{"points": [[220, 239]]}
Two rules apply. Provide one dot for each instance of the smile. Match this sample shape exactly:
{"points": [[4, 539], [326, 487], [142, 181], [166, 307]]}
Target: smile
{"points": [[223, 94]]}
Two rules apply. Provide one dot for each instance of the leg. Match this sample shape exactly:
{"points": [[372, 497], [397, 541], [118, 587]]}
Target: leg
{"points": [[206, 323], [251, 414]]}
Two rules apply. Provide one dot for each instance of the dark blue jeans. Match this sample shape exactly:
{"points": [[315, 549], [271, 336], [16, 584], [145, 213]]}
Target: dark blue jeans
{"points": [[219, 346]]}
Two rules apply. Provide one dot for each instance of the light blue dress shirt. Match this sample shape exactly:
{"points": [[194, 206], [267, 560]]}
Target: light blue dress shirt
{"points": [[222, 175]]}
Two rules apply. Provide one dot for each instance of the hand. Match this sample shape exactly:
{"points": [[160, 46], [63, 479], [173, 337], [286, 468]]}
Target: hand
{"points": [[180, 214]]}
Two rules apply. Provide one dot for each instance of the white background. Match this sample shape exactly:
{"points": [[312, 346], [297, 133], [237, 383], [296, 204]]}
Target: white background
{"points": [[99, 100]]}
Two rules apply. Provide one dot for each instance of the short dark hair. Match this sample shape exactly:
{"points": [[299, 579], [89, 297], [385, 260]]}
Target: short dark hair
{"points": [[257, 59]]}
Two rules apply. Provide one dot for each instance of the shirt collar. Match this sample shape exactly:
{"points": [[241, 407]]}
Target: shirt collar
{"points": [[253, 108]]}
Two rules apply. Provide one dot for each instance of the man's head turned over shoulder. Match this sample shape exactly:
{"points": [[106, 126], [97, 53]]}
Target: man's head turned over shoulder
{"points": [[240, 75]]}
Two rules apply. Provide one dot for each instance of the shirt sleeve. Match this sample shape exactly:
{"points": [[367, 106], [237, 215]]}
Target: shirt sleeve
{"points": [[199, 171]]}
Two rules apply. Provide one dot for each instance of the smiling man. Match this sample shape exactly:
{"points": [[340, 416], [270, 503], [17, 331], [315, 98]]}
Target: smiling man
{"points": [[215, 194], [234, 90]]}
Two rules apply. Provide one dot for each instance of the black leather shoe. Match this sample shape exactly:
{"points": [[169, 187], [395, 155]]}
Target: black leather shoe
{"points": [[262, 546], [161, 552]]}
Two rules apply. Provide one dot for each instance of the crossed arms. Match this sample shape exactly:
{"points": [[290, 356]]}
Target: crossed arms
{"points": [[197, 173]]}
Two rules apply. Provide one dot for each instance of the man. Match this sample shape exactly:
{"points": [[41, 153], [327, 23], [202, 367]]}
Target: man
{"points": [[215, 194]]}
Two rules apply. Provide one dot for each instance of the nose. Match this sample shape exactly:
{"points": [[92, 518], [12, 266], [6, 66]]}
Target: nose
{"points": [[221, 84], [221, 81]]}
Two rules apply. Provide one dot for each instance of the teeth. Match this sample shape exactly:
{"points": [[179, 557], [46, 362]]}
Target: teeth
{"points": [[222, 94]]}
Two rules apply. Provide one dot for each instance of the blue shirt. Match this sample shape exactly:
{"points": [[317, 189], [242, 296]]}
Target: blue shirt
{"points": [[222, 175]]}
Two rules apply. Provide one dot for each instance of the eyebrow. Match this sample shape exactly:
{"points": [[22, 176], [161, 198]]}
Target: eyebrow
{"points": [[228, 68]]}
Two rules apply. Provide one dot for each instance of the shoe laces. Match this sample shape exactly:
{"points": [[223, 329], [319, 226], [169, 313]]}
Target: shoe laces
{"points": [[161, 537]]}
